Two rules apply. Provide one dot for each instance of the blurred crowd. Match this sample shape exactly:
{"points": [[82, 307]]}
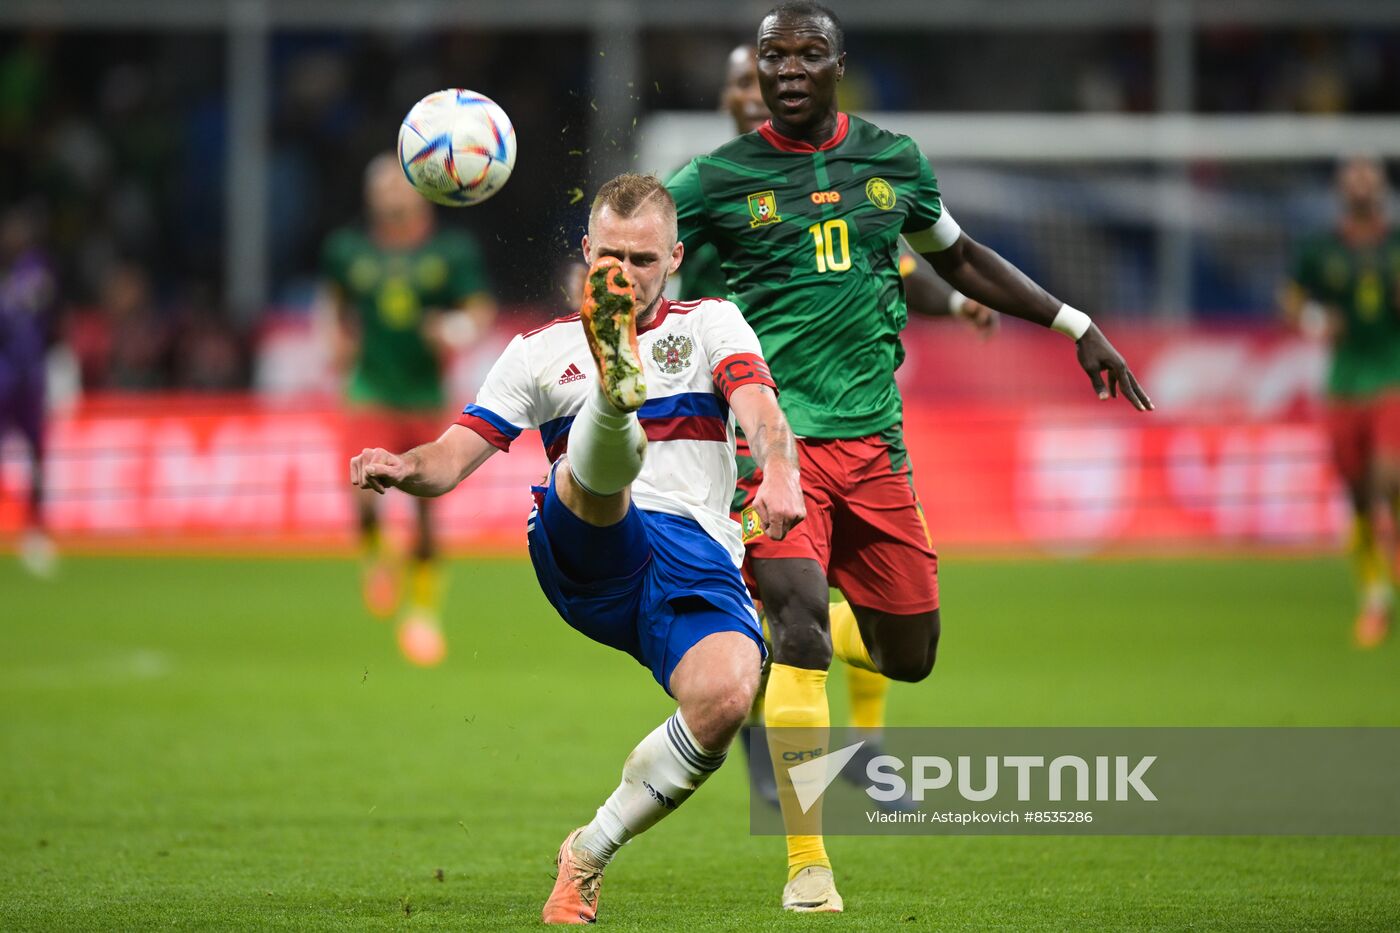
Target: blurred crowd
{"points": [[112, 148]]}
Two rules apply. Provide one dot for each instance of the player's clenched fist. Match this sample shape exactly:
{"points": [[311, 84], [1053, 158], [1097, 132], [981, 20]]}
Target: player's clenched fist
{"points": [[779, 502], [377, 469]]}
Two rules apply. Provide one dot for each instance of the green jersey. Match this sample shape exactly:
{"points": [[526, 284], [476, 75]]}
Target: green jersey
{"points": [[389, 292], [808, 240], [702, 275], [1363, 287]]}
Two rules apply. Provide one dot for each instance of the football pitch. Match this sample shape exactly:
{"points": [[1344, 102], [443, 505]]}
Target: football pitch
{"points": [[234, 744]]}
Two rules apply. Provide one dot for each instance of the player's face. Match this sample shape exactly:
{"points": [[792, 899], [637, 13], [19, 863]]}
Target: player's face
{"points": [[391, 200], [741, 97], [1361, 183], [646, 245], [798, 68]]}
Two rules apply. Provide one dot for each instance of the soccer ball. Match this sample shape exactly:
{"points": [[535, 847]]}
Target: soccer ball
{"points": [[457, 147]]}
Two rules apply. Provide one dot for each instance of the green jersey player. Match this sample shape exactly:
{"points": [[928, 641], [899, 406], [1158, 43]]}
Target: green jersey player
{"points": [[1345, 286], [404, 294], [926, 294], [806, 214]]}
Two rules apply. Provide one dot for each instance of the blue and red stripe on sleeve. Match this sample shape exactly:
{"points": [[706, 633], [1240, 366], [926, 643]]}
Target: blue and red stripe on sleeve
{"points": [[498, 431], [742, 369], [689, 416]]}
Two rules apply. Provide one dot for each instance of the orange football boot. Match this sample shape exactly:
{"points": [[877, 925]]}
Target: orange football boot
{"points": [[421, 640], [1372, 626], [609, 315], [575, 895], [379, 585]]}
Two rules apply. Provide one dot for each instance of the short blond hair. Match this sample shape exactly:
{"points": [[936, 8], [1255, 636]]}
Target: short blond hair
{"points": [[629, 193]]}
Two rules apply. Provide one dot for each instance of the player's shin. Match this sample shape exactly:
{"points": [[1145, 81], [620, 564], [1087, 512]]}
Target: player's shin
{"points": [[606, 446], [425, 586], [1369, 564], [799, 724], [660, 774]]}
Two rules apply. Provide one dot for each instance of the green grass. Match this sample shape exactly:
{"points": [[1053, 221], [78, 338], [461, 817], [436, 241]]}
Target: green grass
{"points": [[235, 745]]}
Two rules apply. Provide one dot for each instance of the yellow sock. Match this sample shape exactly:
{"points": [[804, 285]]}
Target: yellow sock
{"points": [[1368, 562], [867, 691], [756, 710], [799, 725], [425, 586], [845, 637]]}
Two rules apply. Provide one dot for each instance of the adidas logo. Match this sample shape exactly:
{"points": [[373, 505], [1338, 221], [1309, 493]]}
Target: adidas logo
{"points": [[572, 374]]}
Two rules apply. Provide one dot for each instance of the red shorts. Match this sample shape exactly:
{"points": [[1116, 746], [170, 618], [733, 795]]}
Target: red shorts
{"points": [[1363, 431], [393, 429], [864, 524]]}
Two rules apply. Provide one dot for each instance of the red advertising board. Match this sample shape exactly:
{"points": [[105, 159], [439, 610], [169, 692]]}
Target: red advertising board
{"points": [[1010, 450]]}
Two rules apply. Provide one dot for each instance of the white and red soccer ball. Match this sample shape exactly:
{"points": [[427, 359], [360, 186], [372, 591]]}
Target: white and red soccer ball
{"points": [[457, 147]]}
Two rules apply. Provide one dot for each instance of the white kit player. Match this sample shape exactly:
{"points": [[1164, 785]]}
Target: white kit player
{"points": [[636, 400]]}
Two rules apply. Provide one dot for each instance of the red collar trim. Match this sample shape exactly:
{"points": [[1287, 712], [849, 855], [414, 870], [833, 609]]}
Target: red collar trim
{"points": [[662, 309], [779, 141]]}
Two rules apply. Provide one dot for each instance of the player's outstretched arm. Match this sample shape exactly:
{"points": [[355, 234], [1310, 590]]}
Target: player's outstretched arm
{"points": [[982, 275], [427, 470], [1305, 316], [779, 500], [927, 295]]}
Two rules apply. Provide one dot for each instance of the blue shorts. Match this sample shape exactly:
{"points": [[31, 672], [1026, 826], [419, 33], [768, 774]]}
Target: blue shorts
{"points": [[653, 585]]}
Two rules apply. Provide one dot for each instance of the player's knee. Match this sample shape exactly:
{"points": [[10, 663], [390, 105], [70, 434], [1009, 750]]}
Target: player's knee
{"points": [[1359, 493], [913, 660], [716, 720], [732, 709], [910, 668], [801, 642], [799, 632]]}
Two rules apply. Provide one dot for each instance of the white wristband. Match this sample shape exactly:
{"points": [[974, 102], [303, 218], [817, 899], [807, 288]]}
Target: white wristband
{"points": [[459, 329], [957, 303], [1313, 321], [1071, 322]]}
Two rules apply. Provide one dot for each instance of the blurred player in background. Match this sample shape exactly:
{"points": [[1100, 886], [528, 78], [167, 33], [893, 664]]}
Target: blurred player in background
{"points": [[635, 399], [926, 295], [28, 295], [1345, 287], [404, 296], [807, 214]]}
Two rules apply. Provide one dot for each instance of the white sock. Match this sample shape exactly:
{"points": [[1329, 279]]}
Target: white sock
{"points": [[659, 775], [606, 446]]}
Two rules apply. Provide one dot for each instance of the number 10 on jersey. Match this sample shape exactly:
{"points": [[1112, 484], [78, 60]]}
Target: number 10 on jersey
{"points": [[833, 245]]}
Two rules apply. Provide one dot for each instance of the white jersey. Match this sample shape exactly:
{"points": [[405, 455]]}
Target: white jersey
{"points": [[694, 355]]}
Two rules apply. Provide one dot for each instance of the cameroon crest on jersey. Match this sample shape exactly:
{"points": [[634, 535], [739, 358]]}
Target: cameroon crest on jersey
{"points": [[764, 209], [750, 525]]}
